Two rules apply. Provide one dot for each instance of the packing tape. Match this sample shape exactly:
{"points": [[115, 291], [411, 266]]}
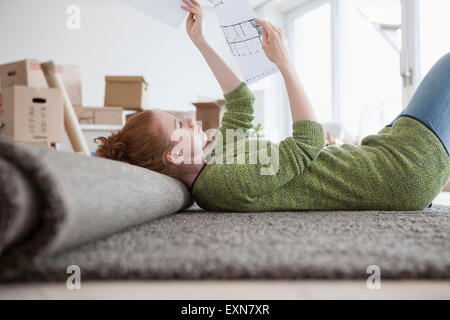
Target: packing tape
{"points": [[48, 68], [34, 65]]}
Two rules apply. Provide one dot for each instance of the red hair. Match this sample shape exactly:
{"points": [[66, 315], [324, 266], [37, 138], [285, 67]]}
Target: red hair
{"points": [[139, 143]]}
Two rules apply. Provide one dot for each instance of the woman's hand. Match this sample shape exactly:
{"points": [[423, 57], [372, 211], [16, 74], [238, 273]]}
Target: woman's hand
{"points": [[276, 48], [195, 20], [275, 44]]}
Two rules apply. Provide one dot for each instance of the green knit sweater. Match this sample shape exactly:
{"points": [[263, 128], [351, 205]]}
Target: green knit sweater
{"points": [[403, 167]]}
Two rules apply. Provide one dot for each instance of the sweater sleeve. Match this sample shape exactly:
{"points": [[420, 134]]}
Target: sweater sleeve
{"points": [[245, 183], [239, 109], [293, 157], [304, 146]]}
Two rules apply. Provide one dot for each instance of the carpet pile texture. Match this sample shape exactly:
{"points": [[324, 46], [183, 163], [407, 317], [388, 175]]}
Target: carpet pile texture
{"points": [[196, 244]]}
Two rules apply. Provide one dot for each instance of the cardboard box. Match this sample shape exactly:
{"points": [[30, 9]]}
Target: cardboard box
{"points": [[33, 114], [71, 76], [29, 73], [23, 73], [131, 92], [181, 114], [1, 108], [210, 113], [85, 115], [99, 115], [1, 97], [109, 116]]}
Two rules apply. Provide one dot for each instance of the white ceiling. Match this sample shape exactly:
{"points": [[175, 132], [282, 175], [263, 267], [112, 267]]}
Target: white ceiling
{"points": [[253, 3]]}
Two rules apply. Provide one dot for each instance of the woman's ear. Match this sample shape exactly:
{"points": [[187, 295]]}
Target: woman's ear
{"points": [[175, 156]]}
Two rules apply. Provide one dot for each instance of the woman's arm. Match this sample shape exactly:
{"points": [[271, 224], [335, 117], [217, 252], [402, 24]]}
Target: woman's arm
{"points": [[301, 108], [276, 49], [224, 75], [239, 99], [194, 26]]}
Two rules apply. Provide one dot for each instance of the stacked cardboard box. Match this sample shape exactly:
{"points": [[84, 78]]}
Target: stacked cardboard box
{"points": [[182, 114], [210, 113], [1, 109], [1, 97], [33, 114], [23, 73], [129, 92], [30, 112], [71, 76], [99, 115], [94, 115], [29, 73]]}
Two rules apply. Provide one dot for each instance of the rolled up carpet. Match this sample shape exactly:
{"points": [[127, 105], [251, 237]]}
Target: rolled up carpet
{"points": [[51, 201]]}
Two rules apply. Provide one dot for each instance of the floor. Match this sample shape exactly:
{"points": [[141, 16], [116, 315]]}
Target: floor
{"points": [[227, 290], [443, 198], [232, 290]]}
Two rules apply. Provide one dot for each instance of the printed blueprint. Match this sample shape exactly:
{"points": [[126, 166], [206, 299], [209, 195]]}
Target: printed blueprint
{"points": [[244, 36]]}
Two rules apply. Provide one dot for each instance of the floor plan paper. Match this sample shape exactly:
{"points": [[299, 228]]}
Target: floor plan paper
{"points": [[166, 11], [244, 36]]}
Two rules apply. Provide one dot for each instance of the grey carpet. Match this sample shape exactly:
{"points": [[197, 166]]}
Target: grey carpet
{"points": [[276, 245]]}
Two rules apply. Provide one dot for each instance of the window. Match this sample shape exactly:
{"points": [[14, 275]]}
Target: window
{"points": [[434, 32], [361, 60], [371, 83], [312, 55]]}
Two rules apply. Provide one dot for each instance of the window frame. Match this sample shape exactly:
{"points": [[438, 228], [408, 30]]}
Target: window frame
{"points": [[409, 55], [302, 9]]}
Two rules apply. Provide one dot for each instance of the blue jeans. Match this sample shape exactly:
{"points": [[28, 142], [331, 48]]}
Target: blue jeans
{"points": [[431, 102]]}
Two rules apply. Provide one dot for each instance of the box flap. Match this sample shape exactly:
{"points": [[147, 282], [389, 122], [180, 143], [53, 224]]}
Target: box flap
{"points": [[116, 109], [126, 79], [207, 105]]}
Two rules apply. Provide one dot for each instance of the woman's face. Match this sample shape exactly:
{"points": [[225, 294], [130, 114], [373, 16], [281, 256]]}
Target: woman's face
{"points": [[187, 137]]}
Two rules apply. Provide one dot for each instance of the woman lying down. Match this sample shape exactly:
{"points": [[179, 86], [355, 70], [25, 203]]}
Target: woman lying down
{"points": [[403, 167]]}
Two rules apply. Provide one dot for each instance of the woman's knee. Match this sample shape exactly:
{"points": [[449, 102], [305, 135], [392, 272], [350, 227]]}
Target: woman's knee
{"points": [[446, 57], [444, 62]]}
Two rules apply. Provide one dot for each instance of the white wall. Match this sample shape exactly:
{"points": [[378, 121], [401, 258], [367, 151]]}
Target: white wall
{"points": [[114, 39]]}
